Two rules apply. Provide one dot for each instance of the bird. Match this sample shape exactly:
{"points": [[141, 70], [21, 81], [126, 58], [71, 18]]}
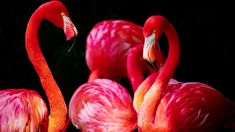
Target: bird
{"points": [[165, 104], [22, 109], [107, 47], [102, 105]]}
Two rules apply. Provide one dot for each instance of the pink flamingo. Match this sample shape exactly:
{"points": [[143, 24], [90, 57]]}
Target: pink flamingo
{"points": [[102, 105], [22, 109], [107, 47], [171, 106]]}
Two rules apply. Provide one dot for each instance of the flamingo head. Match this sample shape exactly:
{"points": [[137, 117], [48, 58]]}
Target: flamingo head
{"points": [[57, 14], [152, 30]]}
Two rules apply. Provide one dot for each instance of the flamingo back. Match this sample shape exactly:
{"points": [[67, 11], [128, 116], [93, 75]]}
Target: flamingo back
{"points": [[21, 107]]}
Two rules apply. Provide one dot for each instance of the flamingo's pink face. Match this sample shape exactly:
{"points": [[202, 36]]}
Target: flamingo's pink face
{"points": [[152, 30], [69, 28], [59, 17], [149, 31], [148, 52]]}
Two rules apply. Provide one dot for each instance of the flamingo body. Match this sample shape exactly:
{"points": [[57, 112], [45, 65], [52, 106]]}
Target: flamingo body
{"points": [[107, 47], [192, 107], [22, 110], [102, 105]]}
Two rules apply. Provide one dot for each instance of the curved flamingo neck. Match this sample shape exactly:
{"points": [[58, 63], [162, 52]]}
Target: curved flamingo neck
{"points": [[58, 110], [95, 74], [153, 96], [133, 69], [172, 60]]}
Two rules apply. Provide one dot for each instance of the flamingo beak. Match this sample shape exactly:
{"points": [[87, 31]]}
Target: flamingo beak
{"points": [[149, 48], [69, 28]]}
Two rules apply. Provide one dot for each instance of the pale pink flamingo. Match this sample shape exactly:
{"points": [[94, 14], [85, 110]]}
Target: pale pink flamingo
{"points": [[22, 109], [102, 105], [165, 105]]}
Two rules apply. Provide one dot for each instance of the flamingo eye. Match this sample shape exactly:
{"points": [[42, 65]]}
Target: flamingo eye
{"points": [[62, 14]]}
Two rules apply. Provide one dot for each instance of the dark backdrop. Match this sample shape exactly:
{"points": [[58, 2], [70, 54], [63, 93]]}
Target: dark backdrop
{"points": [[205, 31]]}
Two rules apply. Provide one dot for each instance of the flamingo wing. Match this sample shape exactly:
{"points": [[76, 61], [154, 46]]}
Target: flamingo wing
{"points": [[21, 107]]}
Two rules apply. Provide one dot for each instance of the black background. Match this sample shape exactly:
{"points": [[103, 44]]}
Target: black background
{"points": [[205, 30]]}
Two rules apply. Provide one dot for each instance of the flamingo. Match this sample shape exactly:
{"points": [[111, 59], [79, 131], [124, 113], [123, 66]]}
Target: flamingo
{"points": [[164, 104], [107, 47], [23, 109], [102, 105]]}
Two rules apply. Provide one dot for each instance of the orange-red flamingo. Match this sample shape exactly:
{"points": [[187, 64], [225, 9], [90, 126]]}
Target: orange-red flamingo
{"points": [[171, 106], [102, 105], [22, 109]]}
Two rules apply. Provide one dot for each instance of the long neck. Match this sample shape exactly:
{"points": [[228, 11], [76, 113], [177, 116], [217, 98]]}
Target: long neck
{"points": [[153, 97], [58, 110], [95, 74], [134, 70], [169, 67]]}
